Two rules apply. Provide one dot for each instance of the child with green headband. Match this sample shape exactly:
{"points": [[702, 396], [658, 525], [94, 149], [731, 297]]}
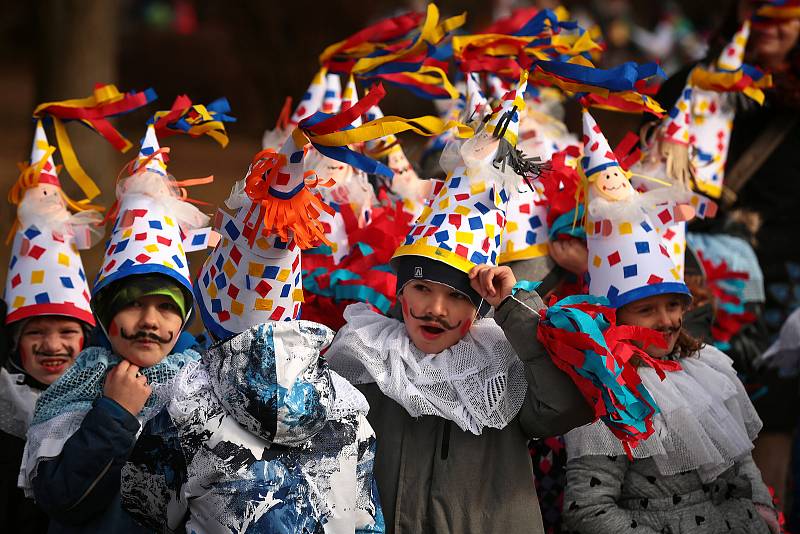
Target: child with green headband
{"points": [[86, 423]]}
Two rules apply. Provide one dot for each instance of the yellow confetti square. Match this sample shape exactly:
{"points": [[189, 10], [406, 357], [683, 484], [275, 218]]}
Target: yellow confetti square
{"points": [[63, 259], [491, 229], [19, 301], [463, 211], [512, 226], [262, 243], [237, 308], [297, 295], [625, 228], [127, 233], [255, 269], [597, 261], [168, 220], [168, 264], [229, 268], [212, 290], [476, 187], [37, 277], [180, 248], [675, 273], [151, 247], [677, 248], [465, 238], [283, 274], [444, 203], [426, 211], [263, 304]]}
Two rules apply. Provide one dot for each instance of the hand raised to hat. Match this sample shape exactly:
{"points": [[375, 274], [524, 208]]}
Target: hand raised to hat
{"points": [[493, 284]]}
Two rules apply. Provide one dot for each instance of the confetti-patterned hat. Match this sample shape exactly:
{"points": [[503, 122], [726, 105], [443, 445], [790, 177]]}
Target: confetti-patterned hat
{"points": [[154, 227], [504, 121], [675, 127], [45, 275], [312, 99], [476, 104], [628, 260], [332, 97], [712, 121], [252, 277]]}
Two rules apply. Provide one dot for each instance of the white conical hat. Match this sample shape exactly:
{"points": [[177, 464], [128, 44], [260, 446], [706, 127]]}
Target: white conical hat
{"points": [[312, 99], [628, 260], [732, 56], [526, 233], [332, 98], [675, 127], [38, 150], [45, 273], [251, 278], [476, 104], [506, 115], [154, 228]]}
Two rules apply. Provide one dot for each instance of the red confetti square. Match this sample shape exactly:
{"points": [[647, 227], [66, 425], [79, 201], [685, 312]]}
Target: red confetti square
{"points": [[263, 288], [223, 316], [36, 252], [233, 291], [164, 240], [665, 216], [236, 255], [654, 279], [613, 259], [140, 237], [142, 258], [17, 280], [462, 251]]}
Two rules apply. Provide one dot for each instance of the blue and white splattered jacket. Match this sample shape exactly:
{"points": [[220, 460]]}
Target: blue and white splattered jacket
{"points": [[261, 437]]}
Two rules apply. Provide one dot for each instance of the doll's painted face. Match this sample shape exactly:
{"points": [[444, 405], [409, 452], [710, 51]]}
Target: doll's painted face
{"points": [[480, 148], [663, 313], [146, 330], [44, 199], [612, 184], [436, 316], [48, 346], [403, 170], [334, 170]]}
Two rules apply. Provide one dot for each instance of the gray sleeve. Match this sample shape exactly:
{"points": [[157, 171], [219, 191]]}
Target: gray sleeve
{"points": [[747, 468], [593, 487], [553, 405]]}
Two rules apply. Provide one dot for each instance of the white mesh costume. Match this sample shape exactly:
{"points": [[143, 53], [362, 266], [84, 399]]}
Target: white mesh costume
{"points": [[17, 401], [706, 420], [478, 382]]}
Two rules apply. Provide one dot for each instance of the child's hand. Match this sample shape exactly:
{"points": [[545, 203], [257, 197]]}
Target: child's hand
{"points": [[127, 387], [571, 254], [493, 284]]}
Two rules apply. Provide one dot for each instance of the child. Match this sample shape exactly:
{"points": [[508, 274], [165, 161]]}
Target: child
{"points": [[86, 423], [695, 472], [49, 317], [452, 403], [262, 436]]}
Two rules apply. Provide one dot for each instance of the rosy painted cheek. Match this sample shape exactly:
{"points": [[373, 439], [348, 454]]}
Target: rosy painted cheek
{"points": [[404, 305], [113, 329], [465, 326]]}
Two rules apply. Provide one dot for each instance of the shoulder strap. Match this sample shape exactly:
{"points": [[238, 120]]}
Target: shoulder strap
{"points": [[756, 154]]}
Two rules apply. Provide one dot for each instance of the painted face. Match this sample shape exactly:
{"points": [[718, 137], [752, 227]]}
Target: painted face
{"points": [[403, 170], [436, 316], [46, 198], [663, 313], [482, 147], [334, 170], [146, 330], [612, 184], [48, 346]]}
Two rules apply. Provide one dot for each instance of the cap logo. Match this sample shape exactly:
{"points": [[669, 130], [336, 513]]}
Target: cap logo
{"points": [[417, 272]]}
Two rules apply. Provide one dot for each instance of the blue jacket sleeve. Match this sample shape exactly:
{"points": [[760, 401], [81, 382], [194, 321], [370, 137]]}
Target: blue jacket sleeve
{"points": [[81, 482]]}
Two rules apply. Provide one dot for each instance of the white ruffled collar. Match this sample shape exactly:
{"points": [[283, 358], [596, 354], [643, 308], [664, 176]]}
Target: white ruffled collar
{"points": [[477, 383], [705, 423]]}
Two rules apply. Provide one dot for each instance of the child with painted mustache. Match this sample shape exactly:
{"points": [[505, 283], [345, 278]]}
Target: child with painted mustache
{"points": [[87, 422], [455, 397]]}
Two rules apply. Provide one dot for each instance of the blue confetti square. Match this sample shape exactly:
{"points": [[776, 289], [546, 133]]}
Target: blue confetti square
{"points": [[629, 271], [66, 281], [642, 247], [155, 225]]}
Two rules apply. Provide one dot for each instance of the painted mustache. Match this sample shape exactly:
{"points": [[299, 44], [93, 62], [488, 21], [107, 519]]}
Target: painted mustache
{"points": [[431, 319], [141, 334], [44, 353]]}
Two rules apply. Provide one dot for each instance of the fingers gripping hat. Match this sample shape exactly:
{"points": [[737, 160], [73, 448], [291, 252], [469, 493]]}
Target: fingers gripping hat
{"points": [[627, 259], [154, 226], [45, 274]]}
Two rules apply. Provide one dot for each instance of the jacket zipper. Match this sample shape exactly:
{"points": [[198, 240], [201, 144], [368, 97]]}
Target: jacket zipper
{"points": [[93, 484], [445, 441]]}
